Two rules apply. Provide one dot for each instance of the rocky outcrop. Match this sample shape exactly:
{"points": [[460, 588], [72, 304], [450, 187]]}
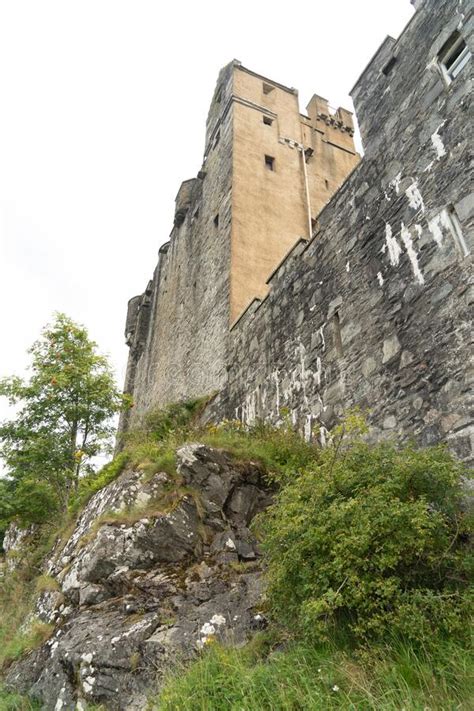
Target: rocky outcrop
{"points": [[153, 570], [15, 542]]}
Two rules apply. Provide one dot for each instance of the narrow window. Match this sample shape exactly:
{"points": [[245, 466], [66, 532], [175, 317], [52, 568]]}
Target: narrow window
{"points": [[216, 220], [453, 57], [389, 66], [269, 163], [326, 183], [336, 325], [217, 138], [267, 88], [267, 121]]}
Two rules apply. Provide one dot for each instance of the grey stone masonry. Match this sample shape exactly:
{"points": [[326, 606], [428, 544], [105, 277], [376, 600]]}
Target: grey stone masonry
{"points": [[177, 330], [374, 311]]}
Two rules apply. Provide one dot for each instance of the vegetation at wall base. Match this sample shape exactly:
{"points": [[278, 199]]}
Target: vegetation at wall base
{"points": [[368, 564], [373, 539]]}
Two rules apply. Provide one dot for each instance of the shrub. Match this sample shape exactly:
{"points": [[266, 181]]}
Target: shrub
{"points": [[370, 540]]}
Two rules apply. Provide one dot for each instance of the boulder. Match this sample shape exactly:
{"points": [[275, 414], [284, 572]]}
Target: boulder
{"points": [[153, 571]]}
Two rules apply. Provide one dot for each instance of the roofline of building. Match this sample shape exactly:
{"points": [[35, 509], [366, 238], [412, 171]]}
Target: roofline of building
{"points": [[289, 89], [395, 42], [388, 39]]}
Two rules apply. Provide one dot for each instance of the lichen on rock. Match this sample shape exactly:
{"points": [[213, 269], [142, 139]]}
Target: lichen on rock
{"points": [[137, 592]]}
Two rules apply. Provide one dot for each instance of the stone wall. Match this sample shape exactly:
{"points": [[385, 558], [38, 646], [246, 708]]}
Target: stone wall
{"points": [[233, 224], [374, 310], [170, 357]]}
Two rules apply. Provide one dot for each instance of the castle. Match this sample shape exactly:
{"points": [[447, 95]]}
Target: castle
{"points": [[301, 279]]}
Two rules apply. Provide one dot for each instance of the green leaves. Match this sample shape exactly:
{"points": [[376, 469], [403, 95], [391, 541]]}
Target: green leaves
{"points": [[371, 538], [63, 420]]}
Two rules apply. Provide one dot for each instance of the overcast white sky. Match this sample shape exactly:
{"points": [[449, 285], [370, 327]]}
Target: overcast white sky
{"points": [[102, 113]]}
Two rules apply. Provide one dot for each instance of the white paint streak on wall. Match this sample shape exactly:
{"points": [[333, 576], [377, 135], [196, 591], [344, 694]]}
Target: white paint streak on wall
{"points": [[395, 183], [380, 278], [436, 224], [437, 142], [418, 230], [276, 378], [411, 252], [319, 371], [321, 335], [434, 227], [445, 221], [302, 351], [414, 196], [394, 249], [348, 267], [320, 400], [323, 435], [287, 391]]}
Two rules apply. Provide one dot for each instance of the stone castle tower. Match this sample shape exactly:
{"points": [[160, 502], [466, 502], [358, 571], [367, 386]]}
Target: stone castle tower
{"points": [[268, 171]]}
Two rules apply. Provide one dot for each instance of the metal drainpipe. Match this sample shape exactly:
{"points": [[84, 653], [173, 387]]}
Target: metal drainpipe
{"points": [[305, 173]]}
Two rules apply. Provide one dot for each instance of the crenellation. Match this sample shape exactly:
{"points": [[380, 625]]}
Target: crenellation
{"points": [[287, 292]]}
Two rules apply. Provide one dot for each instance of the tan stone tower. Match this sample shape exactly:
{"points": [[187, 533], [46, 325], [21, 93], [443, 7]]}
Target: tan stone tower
{"points": [[286, 166], [267, 172]]}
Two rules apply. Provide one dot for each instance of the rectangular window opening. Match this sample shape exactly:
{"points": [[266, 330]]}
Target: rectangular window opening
{"points": [[267, 121], [216, 220], [269, 163], [389, 66], [453, 57], [267, 88]]}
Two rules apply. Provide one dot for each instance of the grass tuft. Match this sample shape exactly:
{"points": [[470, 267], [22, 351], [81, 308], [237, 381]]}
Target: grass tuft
{"points": [[299, 676]]}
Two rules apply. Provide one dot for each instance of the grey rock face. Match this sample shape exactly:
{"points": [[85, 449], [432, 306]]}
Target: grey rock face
{"points": [[137, 594], [13, 542]]}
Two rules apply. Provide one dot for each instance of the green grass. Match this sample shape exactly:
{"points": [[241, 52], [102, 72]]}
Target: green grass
{"points": [[270, 673], [18, 590], [16, 595], [15, 702], [305, 678]]}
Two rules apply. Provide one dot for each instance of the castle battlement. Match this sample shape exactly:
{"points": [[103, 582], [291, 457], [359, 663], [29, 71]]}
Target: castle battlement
{"points": [[297, 277]]}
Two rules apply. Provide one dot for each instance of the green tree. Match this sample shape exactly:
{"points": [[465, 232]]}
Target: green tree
{"points": [[63, 420]]}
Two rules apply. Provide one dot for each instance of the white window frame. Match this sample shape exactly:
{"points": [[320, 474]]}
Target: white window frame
{"points": [[451, 71]]}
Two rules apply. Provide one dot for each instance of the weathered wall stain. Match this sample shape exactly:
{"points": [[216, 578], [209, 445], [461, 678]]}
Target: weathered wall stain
{"points": [[374, 310]]}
